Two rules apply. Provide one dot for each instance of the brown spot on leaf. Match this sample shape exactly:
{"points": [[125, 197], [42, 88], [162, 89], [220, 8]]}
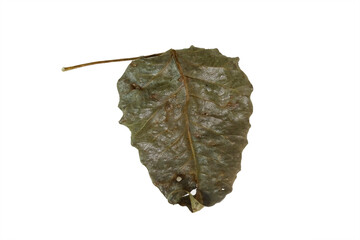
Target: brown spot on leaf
{"points": [[168, 106], [232, 105], [154, 97]]}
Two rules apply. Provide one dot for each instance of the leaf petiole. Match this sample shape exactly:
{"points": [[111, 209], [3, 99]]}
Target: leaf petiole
{"points": [[107, 61]]}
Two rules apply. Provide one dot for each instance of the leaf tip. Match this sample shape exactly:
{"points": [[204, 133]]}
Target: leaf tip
{"points": [[195, 204]]}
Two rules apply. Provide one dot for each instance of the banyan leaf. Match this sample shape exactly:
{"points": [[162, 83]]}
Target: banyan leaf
{"points": [[188, 112]]}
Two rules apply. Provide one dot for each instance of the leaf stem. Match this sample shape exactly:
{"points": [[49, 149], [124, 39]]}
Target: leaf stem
{"points": [[107, 61]]}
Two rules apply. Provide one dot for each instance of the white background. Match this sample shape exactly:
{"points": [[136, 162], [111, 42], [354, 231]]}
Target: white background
{"points": [[68, 170]]}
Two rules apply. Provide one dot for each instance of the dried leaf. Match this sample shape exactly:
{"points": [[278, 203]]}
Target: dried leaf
{"points": [[188, 111]]}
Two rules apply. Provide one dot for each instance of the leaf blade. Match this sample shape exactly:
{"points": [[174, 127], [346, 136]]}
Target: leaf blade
{"points": [[197, 93]]}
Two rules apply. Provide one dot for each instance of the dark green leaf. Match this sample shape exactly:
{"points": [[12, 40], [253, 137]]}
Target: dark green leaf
{"points": [[188, 111]]}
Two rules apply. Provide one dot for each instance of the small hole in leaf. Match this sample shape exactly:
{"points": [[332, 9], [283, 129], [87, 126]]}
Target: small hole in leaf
{"points": [[178, 179], [135, 86], [222, 189]]}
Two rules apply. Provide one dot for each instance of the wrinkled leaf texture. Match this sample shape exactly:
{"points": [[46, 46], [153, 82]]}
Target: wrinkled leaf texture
{"points": [[188, 111]]}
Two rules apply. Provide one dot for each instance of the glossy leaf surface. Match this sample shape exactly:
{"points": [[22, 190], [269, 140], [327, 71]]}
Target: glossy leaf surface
{"points": [[188, 111]]}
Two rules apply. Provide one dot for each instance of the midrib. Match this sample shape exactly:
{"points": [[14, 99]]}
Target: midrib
{"points": [[186, 111]]}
